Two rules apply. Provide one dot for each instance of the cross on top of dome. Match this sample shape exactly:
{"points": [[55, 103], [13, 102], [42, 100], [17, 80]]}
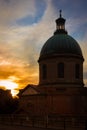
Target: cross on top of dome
{"points": [[60, 13]]}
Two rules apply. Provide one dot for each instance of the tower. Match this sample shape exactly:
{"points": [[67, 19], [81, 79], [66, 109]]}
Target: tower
{"points": [[61, 59]]}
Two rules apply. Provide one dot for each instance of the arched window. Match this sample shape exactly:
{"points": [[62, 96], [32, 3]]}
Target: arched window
{"points": [[61, 70], [44, 71], [77, 71]]}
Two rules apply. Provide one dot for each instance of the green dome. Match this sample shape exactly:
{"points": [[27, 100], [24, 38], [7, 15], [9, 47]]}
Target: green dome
{"points": [[61, 44]]}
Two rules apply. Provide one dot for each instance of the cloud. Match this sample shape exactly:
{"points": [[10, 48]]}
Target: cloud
{"points": [[27, 41], [11, 10], [21, 45], [84, 50], [23, 73]]}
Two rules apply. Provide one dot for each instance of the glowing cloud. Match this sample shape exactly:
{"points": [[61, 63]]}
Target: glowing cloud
{"points": [[8, 84], [20, 45]]}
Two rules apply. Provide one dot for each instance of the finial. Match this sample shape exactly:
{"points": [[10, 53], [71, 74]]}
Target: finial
{"points": [[60, 13]]}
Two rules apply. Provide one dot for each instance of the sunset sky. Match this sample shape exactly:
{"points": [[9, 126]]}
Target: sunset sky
{"points": [[25, 25]]}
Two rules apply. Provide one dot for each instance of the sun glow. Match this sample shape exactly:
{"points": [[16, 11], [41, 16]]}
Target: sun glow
{"points": [[9, 85], [14, 92]]}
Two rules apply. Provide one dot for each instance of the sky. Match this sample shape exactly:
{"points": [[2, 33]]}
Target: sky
{"points": [[25, 25]]}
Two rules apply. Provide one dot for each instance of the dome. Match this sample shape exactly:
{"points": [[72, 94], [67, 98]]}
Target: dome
{"points": [[61, 44]]}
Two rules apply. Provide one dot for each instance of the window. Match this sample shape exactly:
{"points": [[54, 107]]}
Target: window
{"points": [[77, 71], [44, 71], [61, 70]]}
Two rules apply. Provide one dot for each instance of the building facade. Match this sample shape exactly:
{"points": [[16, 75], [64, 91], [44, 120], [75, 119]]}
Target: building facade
{"points": [[61, 89]]}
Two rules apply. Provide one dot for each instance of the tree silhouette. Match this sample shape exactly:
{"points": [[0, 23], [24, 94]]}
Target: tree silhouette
{"points": [[8, 104]]}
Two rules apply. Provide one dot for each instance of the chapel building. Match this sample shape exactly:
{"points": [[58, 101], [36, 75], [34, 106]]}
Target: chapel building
{"points": [[61, 88]]}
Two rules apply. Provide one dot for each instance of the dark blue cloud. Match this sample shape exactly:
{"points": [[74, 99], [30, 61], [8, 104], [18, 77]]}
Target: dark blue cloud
{"points": [[40, 8], [80, 32], [7, 1], [72, 8]]}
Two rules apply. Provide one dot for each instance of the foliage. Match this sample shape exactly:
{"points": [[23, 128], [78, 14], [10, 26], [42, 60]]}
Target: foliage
{"points": [[8, 104]]}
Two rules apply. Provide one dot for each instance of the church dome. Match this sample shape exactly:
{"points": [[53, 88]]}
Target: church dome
{"points": [[61, 59], [61, 44]]}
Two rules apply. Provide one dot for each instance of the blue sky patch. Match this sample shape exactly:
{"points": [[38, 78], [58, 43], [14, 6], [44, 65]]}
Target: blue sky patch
{"points": [[28, 20]]}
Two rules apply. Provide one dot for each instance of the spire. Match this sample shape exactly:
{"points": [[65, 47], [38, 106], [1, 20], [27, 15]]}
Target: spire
{"points": [[60, 24], [60, 13]]}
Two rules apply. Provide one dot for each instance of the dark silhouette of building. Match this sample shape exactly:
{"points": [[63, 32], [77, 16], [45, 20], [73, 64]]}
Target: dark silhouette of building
{"points": [[61, 89]]}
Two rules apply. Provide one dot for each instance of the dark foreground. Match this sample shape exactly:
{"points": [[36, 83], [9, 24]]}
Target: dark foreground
{"points": [[2, 127], [15, 122], [7, 127]]}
